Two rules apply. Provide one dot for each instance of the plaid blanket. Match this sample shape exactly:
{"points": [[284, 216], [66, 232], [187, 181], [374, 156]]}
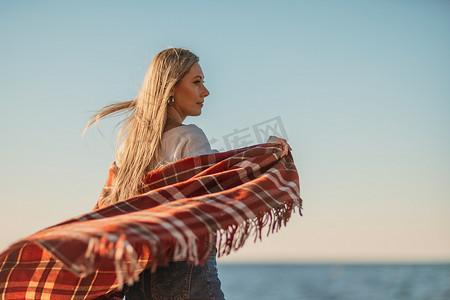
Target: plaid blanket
{"points": [[182, 206]]}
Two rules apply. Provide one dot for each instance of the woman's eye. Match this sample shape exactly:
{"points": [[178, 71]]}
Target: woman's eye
{"points": [[198, 81]]}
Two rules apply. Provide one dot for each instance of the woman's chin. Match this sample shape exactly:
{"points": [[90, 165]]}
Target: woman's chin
{"points": [[196, 113]]}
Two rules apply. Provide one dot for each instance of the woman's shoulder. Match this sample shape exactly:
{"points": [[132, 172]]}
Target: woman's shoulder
{"points": [[185, 130], [184, 141]]}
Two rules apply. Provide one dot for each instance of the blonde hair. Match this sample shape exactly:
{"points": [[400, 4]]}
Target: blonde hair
{"points": [[140, 136]]}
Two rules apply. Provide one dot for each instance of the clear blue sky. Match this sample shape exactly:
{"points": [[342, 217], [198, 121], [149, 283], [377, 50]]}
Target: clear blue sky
{"points": [[361, 87]]}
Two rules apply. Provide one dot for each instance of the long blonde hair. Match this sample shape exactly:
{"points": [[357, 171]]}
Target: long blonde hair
{"points": [[140, 136]]}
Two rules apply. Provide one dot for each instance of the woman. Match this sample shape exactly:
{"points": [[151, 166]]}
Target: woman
{"points": [[153, 135]]}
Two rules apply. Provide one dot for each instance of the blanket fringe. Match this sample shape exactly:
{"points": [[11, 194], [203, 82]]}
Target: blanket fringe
{"points": [[230, 238], [118, 248], [234, 236]]}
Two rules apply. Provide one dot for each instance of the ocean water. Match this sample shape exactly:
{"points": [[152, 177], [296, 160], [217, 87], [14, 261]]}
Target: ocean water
{"points": [[335, 282]]}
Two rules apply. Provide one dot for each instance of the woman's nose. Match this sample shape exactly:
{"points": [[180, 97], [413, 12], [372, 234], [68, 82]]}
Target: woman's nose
{"points": [[205, 92]]}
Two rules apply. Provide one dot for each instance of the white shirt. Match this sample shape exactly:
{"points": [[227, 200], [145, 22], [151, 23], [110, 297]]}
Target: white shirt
{"points": [[181, 142]]}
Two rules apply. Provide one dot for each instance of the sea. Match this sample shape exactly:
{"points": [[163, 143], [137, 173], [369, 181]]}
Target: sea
{"points": [[335, 281]]}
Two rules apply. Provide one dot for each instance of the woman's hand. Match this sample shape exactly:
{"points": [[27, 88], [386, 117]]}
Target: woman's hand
{"points": [[282, 142]]}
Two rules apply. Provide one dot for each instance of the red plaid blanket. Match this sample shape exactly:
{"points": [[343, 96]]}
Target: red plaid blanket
{"points": [[234, 194]]}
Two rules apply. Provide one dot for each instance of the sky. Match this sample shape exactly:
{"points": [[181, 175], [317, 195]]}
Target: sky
{"points": [[361, 89]]}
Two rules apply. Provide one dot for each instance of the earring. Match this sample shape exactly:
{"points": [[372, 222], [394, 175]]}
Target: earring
{"points": [[170, 101]]}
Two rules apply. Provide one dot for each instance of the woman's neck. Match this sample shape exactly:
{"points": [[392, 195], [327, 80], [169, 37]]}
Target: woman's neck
{"points": [[175, 115], [173, 120]]}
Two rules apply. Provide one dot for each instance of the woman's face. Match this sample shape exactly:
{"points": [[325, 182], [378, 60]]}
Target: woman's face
{"points": [[189, 93]]}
